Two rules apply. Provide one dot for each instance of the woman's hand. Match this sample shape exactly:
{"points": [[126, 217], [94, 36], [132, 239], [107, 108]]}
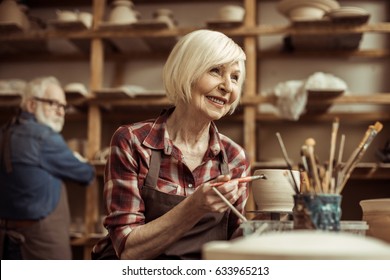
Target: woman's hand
{"points": [[205, 198]]}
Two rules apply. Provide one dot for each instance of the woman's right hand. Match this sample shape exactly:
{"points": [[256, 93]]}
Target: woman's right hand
{"points": [[206, 199]]}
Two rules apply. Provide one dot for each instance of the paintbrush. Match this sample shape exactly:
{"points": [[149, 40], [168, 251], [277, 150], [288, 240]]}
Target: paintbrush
{"points": [[336, 182], [328, 175], [241, 180], [341, 149], [242, 217], [284, 151], [357, 155], [310, 142]]}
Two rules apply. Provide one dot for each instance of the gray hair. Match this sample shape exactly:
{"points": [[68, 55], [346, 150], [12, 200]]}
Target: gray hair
{"points": [[194, 55], [37, 88]]}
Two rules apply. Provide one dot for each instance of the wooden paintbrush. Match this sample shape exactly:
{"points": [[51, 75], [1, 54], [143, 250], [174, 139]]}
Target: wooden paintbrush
{"points": [[328, 175], [284, 151], [241, 180], [235, 211], [338, 164], [310, 143], [357, 155]]}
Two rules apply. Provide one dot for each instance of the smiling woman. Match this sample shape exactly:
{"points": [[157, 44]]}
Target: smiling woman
{"points": [[196, 54], [158, 189]]}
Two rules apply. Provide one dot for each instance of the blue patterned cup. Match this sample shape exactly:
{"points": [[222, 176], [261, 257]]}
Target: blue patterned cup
{"points": [[317, 211]]}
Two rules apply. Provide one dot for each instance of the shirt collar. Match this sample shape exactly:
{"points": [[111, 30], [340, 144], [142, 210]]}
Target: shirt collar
{"points": [[157, 137], [27, 116]]}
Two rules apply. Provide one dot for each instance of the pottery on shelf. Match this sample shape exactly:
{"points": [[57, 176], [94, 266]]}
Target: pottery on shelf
{"points": [[12, 12], [122, 12]]}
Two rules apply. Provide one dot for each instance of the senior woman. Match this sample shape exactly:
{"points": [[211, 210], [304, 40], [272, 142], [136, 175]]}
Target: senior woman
{"points": [[157, 180]]}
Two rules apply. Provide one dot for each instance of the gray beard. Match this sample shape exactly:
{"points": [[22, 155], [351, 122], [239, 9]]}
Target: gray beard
{"points": [[56, 124]]}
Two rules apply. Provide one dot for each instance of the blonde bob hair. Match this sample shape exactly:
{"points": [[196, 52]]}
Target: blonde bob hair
{"points": [[195, 54]]}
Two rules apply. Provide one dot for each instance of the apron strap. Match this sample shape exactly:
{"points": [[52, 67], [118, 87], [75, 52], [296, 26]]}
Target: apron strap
{"points": [[224, 167], [154, 169], [5, 145]]}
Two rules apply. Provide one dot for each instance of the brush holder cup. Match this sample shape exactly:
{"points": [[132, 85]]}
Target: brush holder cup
{"points": [[317, 211]]}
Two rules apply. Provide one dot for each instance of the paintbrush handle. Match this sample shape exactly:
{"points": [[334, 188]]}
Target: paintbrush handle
{"points": [[317, 183], [227, 202], [357, 155], [284, 152], [370, 134], [328, 175], [240, 180]]}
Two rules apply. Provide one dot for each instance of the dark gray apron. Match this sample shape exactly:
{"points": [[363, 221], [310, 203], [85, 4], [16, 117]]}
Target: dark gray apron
{"points": [[213, 226], [45, 239]]}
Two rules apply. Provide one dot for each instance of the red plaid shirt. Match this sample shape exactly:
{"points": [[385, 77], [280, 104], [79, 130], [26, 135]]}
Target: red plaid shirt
{"points": [[128, 165]]}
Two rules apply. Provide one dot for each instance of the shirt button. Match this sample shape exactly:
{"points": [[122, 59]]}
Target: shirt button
{"points": [[190, 185]]}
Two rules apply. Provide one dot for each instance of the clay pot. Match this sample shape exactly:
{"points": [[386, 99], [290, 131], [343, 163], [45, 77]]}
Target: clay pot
{"points": [[166, 16], [122, 12], [12, 12], [376, 212]]}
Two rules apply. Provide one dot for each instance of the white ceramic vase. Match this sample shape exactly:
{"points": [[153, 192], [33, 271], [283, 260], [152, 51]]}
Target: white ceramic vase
{"points": [[122, 12]]}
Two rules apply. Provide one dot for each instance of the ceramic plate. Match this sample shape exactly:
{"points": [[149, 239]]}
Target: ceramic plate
{"points": [[285, 6], [325, 93], [350, 10], [308, 20]]}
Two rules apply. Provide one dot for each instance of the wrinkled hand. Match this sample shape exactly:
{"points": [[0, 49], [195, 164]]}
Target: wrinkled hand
{"points": [[207, 200]]}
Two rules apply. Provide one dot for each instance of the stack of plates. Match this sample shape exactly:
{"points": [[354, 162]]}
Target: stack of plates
{"points": [[308, 9], [347, 12], [343, 14]]}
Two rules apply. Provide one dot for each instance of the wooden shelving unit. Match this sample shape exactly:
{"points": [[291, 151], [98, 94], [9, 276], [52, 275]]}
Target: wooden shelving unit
{"points": [[96, 46]]}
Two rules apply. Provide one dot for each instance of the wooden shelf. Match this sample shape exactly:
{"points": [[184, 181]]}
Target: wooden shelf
{"points": [[241, 31], [10, 27], [364, 170], [118, 97], [351, 98], [73, 25], [106, 42], [10, 99]]}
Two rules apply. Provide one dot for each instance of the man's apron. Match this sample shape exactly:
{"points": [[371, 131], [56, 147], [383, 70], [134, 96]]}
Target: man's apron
{"points": [[47, 238]]}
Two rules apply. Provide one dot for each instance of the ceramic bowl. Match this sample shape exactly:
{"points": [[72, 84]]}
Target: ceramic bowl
{"points": [[65, 15], [76, 87], [86, 18], [306, 12], [275, 194], [231, 13]]}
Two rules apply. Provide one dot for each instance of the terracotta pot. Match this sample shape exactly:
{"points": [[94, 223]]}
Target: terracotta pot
{"points": [[12, 12]]}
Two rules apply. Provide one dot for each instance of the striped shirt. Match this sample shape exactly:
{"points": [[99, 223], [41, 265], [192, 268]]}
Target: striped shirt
{"points": [[128, 165]]}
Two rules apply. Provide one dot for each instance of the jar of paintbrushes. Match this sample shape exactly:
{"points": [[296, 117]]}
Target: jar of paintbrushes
{"points": [[317, 203]]}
